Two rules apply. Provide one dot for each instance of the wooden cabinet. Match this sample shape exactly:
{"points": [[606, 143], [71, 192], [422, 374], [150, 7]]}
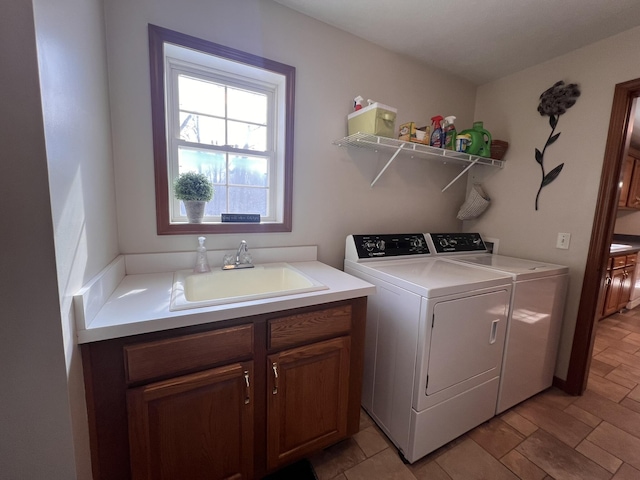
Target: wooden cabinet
{"points": [[618, 283], [237, 399], [197, 426], [303, 413], [630, 181]]}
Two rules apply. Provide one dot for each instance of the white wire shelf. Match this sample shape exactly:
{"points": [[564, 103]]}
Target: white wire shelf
{"points": [[373, 142]]}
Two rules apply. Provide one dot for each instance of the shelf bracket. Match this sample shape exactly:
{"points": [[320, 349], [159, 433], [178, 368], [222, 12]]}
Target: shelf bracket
{"points": [[461, 173], [393, 157]]}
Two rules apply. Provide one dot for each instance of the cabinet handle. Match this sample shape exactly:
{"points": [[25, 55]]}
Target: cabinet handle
{"points": [[608, 281], [274, 366], [247, 391]]}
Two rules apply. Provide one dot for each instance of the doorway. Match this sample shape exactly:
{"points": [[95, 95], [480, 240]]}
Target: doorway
{"points": [[618, 140]]}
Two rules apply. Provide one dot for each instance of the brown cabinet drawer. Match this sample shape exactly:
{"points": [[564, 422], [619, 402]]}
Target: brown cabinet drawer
{"points": [[631, 259], [172, 356], [306, 327], [619, 262]]}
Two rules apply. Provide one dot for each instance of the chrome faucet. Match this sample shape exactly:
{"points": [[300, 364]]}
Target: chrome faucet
{"points": [[242, 259]]}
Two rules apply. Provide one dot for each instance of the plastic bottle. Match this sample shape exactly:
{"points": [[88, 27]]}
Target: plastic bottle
{"points": [[437, 135], [202, 264], [449, 133]]}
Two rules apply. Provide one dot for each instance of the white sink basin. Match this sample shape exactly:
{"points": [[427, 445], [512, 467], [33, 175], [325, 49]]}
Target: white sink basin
{"points": [[220, 287]]}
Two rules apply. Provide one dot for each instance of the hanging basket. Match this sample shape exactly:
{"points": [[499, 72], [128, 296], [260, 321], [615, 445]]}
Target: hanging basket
{"points": [[476, 203]]}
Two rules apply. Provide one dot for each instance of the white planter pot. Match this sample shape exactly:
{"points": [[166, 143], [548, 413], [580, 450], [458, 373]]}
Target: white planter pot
{"points": [[195, 210]]}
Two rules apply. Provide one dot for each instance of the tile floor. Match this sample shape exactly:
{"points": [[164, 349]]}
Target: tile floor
{"points": [[550, 436]]}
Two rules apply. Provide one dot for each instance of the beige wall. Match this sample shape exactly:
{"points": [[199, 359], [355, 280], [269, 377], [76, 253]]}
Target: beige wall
{"points": [[508, 108], [73, 77], [35, 426], [332, 196]]}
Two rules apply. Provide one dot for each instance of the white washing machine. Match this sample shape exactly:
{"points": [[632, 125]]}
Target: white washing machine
{"points": [[536, 314], [434, 340]]}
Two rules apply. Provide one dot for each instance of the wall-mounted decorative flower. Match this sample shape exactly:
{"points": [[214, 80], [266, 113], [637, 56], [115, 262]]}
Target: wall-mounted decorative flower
{"points": [[554, 102]]}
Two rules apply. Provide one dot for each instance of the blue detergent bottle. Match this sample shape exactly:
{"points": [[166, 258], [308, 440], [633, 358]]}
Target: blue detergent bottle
{"points": [[437, 134]]}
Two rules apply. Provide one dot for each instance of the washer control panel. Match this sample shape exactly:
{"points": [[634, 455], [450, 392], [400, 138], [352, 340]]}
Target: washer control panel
{"points": [[395, 245], [457, 242]]}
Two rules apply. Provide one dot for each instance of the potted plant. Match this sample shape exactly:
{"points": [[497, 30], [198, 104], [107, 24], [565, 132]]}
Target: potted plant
{"points": [[195, 190]]}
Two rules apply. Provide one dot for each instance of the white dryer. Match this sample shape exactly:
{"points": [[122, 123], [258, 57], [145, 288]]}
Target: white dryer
{"points": [[434, 340], [536, 314]]}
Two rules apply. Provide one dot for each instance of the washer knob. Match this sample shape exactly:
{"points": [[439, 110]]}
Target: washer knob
{"points": [[380, 244]]}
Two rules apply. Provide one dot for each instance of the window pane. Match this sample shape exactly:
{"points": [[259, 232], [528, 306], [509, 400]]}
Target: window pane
{"points": [[248, 200], [248, 171], [218, 203], [200, 96], [201, 129], [247, 106], [247, 136], [212, 164]]}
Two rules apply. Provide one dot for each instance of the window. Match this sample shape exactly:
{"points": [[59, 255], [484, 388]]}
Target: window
{"points": [[229, 115]]}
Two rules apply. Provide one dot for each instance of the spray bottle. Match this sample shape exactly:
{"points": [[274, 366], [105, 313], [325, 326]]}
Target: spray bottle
{"points": [[437, 135], [357, 103], [202, 264], [449, 133]]}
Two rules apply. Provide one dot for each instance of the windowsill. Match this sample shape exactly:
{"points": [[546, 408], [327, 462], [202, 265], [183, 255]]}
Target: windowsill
{"points": [[198, 228]]}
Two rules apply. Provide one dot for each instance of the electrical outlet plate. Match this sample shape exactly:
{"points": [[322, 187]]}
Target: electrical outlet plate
{"points": [[563, 240]]}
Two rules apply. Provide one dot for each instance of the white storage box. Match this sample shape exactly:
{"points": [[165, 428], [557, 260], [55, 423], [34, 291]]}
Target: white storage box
{"points": [[376, 119]]}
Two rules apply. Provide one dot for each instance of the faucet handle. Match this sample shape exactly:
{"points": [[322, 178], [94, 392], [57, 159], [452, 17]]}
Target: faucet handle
{"points": [[228, 259], [245, 257]]}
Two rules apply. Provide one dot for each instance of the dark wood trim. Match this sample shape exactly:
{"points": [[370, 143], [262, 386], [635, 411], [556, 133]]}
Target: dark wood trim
{"points": [[617, 144], [157, 37], [559, 383]]}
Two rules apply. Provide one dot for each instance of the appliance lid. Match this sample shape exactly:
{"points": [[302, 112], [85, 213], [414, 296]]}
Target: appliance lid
{"points": [[432, 277], [518, 268]]}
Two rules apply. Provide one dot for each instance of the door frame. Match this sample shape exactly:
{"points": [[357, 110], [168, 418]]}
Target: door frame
{"points": [[618, 140]]}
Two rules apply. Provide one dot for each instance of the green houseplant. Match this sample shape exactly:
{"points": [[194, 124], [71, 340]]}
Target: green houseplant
{"points": [[195, 190]]}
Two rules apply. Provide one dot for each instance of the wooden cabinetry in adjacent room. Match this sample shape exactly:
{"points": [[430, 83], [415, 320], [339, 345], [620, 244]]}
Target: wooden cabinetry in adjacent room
{"points": [[630, 181], [236, 399], [618, 282]]}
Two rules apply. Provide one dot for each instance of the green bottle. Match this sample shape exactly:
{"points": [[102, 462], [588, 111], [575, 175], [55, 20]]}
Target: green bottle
{"points": [[480, 140]]}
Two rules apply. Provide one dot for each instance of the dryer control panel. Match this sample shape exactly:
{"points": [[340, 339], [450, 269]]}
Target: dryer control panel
{"points": [[457, 243], [361, 247]]}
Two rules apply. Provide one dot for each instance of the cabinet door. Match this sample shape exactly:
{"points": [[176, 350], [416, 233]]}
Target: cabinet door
{"points": [[612, 300], [634, 189], [307, 390], [625, 290], [197, 426]]}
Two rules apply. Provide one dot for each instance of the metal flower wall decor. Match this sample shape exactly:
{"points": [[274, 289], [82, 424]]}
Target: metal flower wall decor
{"points": [[554, 102]]}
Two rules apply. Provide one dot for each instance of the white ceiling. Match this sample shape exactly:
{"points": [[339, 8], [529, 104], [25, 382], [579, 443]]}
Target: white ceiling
{"points": [[477, 40]]}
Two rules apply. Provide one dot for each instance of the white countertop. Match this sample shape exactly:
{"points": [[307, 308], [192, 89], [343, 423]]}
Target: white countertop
{"points": [[140, 303]]}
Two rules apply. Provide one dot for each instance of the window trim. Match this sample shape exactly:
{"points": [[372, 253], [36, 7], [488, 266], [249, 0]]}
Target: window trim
{"points": [[157, 37]]}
